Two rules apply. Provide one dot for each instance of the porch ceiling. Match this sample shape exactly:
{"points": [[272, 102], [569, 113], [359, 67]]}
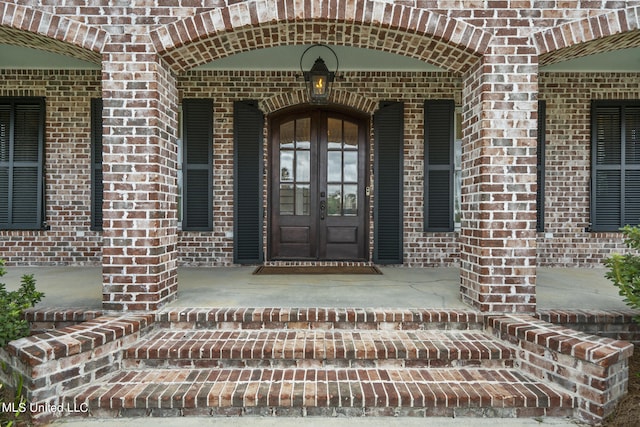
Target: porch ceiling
{"points": [[287, 58], [56, 55], [31, 50], [620, 52]]}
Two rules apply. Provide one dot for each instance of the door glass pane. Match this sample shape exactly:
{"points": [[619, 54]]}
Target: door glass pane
{"points": [[286, 135], [350, 204], [334, 134], [334, 200], [350, 136], [302, 199], [334, 166], [286, 166], [303, 133], [350, 166], [286, 199], [303, 166]]}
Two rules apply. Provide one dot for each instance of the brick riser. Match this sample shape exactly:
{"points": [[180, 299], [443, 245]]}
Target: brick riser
{"points": [[408, 392], [317, 349]]}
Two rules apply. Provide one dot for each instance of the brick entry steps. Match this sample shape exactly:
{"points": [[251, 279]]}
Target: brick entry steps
{"points": [[322, 362], [312, 362]]}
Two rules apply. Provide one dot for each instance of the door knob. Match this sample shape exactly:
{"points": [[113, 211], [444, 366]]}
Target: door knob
{"points": [[323, 208]]}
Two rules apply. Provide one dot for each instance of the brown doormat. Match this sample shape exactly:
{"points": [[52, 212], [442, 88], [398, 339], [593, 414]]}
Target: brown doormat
{"points": [[308, 269]]}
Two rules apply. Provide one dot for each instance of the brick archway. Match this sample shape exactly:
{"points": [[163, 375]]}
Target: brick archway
{"points": [[422, 34], [609, 31], [27, 27], [339, 97]]}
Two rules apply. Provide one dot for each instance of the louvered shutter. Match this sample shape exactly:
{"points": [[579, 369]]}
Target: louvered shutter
{"points": [[96, 164], [197, 168], [615, 165], [389, 149], [439, 166], [540, 162], [5, 165], [632, 165], [21, 163], [248, 172]]}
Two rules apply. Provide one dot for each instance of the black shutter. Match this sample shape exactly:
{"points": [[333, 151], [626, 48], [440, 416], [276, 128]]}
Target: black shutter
{"points": [[631, 203], [389, 150], [5, 151], [439, 165], [96, 164], [197, 168], [540, 162], [248, 172], [21, 163], [606, 158], [615, 156]]}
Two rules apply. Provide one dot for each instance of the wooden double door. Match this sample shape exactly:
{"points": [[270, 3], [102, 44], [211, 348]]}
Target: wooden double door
{"points": [[318, 186]]}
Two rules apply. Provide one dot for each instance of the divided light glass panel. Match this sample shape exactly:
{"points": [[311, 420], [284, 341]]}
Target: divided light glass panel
{"points": [[295, 167], [342, 168]]}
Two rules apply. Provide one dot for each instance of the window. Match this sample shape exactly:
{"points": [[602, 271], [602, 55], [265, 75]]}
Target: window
{"points": [[96, 164], [21, 163], [615, 159]]}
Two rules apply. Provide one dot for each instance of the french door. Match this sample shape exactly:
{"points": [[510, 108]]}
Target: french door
{"points": [[318, 186]]}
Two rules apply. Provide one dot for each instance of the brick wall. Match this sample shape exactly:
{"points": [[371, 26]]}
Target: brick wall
{"points": [[568, 165], [68, 93], [68, 159], [491, 48], [215, 248]]}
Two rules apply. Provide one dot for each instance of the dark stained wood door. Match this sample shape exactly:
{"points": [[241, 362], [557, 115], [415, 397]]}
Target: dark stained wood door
{"points": [[318, 186]]}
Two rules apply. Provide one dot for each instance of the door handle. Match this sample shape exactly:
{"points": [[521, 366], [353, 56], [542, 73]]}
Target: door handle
{"points": [[323, 208]]}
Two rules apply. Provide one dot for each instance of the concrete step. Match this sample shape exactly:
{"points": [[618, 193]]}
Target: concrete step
{"points": [[322, 392], [317, 348]]}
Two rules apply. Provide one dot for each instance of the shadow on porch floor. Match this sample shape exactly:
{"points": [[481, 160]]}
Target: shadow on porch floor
{"points": [[567, 288]]}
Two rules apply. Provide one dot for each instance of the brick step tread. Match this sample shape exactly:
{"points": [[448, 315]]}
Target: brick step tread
{"points": [[319, 345], [356, 388]]}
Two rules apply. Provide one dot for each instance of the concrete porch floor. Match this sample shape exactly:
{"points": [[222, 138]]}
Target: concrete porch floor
{"points": [[80, 287]]}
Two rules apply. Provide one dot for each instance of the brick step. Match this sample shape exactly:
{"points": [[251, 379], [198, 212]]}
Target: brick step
{"points": [[295, 391], [319, 318], [317, 348]]}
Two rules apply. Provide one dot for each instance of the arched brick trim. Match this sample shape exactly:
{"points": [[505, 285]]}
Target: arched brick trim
{"points": [[24, 26], [405, 30], [341, 97], [612, 30]]}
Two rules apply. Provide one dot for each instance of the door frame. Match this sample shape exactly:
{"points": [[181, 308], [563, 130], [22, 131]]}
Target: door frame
{"points": [[364, 120]]}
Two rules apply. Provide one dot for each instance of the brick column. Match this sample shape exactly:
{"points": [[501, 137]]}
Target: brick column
{"points": [[140, 168], [498, 235]]}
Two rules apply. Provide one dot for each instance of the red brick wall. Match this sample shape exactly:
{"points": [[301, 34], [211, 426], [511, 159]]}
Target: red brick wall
{"points": [[568, 165], [68, 94], [214, 248], [68, 159], [452, 39]]}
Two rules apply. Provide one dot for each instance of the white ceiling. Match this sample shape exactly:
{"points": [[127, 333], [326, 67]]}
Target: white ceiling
{"points": [[287, 58]]}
